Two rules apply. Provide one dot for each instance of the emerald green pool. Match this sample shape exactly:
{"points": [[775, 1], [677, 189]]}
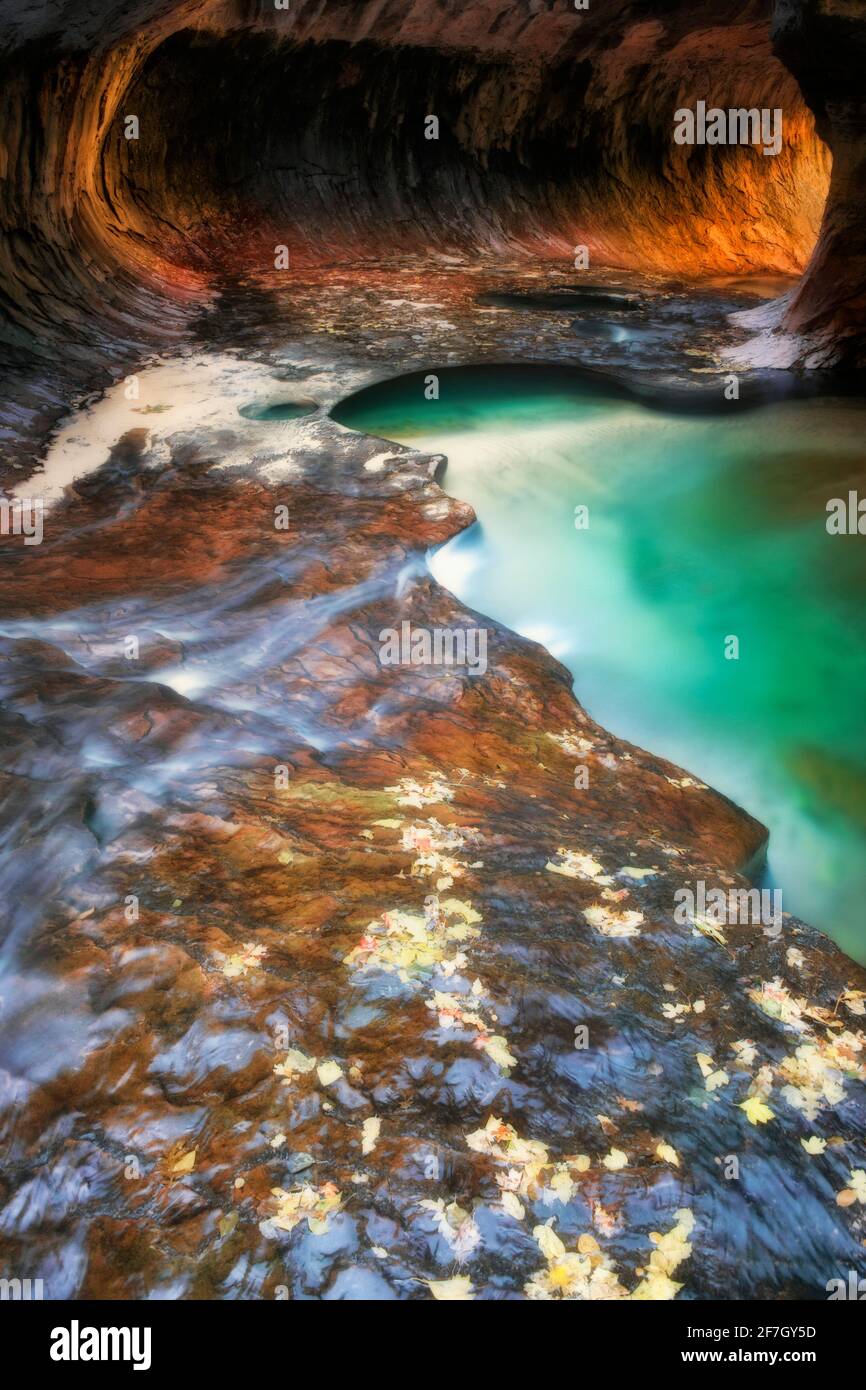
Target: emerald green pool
{"points": [[701, 527]]}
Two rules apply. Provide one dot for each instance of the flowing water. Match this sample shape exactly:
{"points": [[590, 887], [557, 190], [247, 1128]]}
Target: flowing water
{"points": [[196, 833], [701, 528]]}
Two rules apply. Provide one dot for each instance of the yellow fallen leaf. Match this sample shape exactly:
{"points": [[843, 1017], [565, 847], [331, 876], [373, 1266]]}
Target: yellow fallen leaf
{"points": [[456, 1290], [512, 1204], [855, 1000], [328, 1073], [708, 928], [657, 1287], [549, 1243], [496, 1048], [185, 1163], [615, 1160], [370, 1134], [671, 1248], [559, 1276], [562, 1186], [858, 1184], [757, 1111], [295, 1061], [460, 932], [668, 1154], [615, 924], [713, 1077], [454, 907], [813, 1145]]}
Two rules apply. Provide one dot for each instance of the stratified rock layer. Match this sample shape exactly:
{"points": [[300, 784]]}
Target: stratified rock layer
{"points": [[824, 45], [306, 127]]}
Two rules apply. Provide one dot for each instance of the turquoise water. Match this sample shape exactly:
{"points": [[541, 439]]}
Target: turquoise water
{"points": [[700, 528], [280, 410]]}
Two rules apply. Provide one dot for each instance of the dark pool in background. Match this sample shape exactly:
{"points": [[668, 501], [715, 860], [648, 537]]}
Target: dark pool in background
{"points": [[701, 526], [277, 410]]}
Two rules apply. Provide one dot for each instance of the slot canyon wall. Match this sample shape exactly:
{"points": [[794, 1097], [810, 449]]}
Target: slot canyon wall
{"points": [[824, 44], [214, 857], [305, 126]]}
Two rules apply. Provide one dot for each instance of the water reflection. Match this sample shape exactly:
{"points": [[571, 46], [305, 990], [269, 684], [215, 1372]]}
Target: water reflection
{"points": [[698, 529]]}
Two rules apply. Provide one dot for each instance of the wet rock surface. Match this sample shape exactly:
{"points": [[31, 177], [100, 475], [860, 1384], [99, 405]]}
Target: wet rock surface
{"points": [[321, 976], [324, 976]]}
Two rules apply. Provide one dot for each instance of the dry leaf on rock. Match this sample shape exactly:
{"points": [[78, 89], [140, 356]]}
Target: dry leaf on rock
{"points": [[456, 1290], [370, 1134]]}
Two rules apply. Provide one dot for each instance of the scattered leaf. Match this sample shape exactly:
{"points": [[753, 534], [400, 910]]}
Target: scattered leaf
{"points": [[513, 1205], [295, 1062], [456, 1290], [813, 1145], [549, 1243], [615, 1160], [370, 1134], [757, 1112]]}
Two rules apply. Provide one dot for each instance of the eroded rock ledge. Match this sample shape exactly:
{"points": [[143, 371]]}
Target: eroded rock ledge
{"points": [[341, 1049]]}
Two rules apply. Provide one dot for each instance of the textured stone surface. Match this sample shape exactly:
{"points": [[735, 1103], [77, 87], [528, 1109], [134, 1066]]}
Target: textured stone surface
{"points": [[281, 806], [824, 45], [285, 822], [305, 126]]}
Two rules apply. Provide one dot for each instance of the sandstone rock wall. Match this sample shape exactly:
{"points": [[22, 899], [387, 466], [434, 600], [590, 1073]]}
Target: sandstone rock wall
{"points": [[824, 45], [556, 128]]}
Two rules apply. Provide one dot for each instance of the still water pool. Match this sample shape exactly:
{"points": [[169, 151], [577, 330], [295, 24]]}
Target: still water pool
{"points": [[700, 528]]}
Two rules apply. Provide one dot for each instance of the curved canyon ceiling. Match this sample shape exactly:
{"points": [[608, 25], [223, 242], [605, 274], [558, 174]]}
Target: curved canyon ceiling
{"points": [[305, 127]]}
